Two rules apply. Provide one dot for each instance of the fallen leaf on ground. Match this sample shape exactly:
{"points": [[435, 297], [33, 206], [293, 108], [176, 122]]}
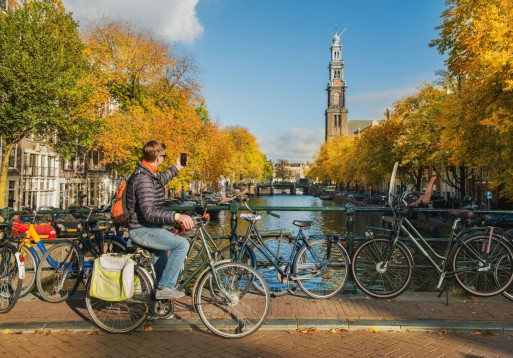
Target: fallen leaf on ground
{"points": [[308, 330], [338, 330], [373, 329], [43, 332], [148, 329], [483, 333], [6, 331], [95, 333], [443, 331]]}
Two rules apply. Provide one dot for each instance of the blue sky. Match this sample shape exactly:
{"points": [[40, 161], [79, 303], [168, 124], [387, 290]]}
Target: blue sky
{"points": [[263, 65]]}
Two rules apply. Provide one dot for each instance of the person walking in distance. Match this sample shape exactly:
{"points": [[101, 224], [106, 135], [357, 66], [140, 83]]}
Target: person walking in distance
{"points": [[145, 201]]}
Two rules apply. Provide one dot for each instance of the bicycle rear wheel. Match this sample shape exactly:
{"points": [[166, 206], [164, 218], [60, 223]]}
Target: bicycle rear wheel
{"points": [[227, 302], [59, 273], [10, 282], [124, 316], [321, 268], [480, 266], [508, 292], [30, 271], [376, 276]]}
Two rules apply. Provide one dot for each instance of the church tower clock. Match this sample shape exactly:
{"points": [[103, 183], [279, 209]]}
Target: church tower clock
{"points": [[336, 113]]}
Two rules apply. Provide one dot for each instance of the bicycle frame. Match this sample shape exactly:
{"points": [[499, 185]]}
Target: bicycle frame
{"points": [[259, 244], [455, 239]]}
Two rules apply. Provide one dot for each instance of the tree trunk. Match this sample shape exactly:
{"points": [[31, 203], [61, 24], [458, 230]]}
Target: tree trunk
{"points": [[6, 153]]}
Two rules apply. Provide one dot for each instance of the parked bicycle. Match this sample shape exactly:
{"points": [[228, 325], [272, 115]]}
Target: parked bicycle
{"points": [[65, 265], [28, 242], [12, 271], [223, 294], [480, 260], [319, 267]]}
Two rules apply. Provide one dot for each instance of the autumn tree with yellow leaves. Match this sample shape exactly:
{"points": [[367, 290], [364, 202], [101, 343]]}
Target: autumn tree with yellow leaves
{"points": [[477, 36]]}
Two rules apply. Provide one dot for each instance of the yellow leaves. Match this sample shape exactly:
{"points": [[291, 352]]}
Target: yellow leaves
{"points": [[373, 329], [309, 330], [148, 329], [6, 331], [478, 332], [338, 330]]}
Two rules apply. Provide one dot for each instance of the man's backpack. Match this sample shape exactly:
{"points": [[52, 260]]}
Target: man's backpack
{"points": [[119, 213]]}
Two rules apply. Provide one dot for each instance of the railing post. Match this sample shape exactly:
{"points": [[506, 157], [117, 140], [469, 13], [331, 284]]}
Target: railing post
{"points": [[234, 209], [350, 211]]}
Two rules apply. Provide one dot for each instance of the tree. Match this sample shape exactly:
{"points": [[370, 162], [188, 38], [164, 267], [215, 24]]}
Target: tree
{"points": [[247, 161], [144, 91], [476, 35], [281, 170], [41, 67]]}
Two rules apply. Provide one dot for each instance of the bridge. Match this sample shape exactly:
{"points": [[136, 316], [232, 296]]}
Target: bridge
{"points": [[282, 187]]}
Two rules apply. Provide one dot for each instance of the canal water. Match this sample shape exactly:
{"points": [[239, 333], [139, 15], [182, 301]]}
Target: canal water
{"points": [[324, 222]]}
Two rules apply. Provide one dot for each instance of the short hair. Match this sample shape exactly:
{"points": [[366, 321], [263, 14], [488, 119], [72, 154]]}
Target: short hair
{"points": [[153, 149]]}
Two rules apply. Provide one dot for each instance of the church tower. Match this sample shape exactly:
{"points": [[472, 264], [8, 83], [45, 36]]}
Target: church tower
{"points": [[336, 113]]}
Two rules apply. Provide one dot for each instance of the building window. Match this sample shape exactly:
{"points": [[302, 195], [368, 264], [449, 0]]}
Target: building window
{"points": [[10, 198], [12, 158]]}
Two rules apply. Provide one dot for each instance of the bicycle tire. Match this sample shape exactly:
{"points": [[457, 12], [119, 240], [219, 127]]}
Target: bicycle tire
{"points": [[59, 272], [475, 265], [10, 282], [375, 280], [508, 292], [329, 275], [30, 263], [123, 316], [238, 315]]}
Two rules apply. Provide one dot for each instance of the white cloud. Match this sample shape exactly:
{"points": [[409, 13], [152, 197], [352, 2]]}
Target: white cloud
{"points": [[174, 20], [295, 145]]}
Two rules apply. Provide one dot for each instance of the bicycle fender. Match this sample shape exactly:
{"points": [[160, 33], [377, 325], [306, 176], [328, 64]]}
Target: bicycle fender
{"points": [[21, 265]]}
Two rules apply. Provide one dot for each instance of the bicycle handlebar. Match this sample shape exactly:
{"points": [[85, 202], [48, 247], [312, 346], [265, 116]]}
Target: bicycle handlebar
{"points": [[268, 212]]}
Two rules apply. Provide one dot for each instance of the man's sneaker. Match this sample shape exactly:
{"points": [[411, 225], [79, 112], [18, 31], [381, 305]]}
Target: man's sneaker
{"points": [[168, 294]]}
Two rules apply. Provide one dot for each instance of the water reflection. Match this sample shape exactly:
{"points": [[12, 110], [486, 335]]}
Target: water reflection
{"points": [[327, 222]]}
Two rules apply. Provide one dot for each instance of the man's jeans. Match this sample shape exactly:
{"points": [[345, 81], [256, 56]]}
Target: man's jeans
{"points": [[162, 241]]}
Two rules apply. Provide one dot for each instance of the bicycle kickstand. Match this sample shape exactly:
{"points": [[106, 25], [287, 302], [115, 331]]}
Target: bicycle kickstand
{"points": [[445, 288]]}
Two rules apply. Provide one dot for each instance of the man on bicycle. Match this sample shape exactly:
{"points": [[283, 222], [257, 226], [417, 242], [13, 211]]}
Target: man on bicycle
{"points": [[145, 201]]}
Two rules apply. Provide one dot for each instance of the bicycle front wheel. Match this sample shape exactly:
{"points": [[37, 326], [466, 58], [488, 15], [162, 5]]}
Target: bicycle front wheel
{"points": [[483, 266], [59, 272], [123, 316], [30, 264], [10, 282], [380, 273], [321, 267], [227, 302]]}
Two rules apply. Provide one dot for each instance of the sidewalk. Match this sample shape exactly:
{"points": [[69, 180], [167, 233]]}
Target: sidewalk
{"points": [[414, 311]]}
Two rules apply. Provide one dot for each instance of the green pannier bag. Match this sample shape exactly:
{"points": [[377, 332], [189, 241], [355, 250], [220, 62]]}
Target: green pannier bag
{"points": [[112, 278]]}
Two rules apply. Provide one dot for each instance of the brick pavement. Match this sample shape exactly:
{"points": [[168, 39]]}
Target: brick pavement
{"points": [[268, 344], [410, 311]]}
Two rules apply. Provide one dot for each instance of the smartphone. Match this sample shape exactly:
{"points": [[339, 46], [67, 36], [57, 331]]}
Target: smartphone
{"points": [[183, 159]]}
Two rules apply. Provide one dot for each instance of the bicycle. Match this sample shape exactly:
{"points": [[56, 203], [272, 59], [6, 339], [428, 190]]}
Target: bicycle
{"points": [[318, 266], [12, 271], [30, 254], [383, 266], [65, 265], [222, 294]]}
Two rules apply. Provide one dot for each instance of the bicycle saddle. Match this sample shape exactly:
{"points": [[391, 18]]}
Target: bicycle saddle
{"points": [[250, 217], [462, 214], [302, 223]]}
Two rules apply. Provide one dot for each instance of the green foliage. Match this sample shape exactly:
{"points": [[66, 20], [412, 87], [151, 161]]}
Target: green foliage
{"points": [[41, 64]]}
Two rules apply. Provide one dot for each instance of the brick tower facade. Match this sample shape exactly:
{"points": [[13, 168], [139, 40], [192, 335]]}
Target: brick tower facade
{"points": [[336, 112]]}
